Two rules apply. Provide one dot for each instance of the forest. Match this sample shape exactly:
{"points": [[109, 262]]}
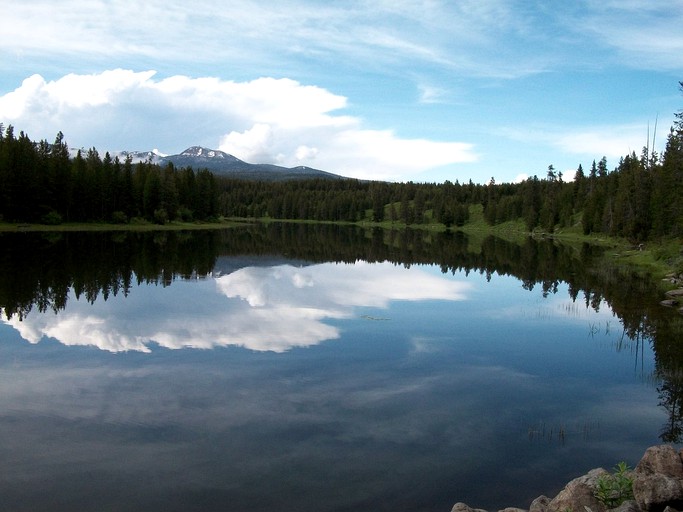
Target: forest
{"points": [[40, 182]]}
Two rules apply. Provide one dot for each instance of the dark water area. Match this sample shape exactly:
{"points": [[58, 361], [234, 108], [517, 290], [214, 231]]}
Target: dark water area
{"points": [[325, 368]]}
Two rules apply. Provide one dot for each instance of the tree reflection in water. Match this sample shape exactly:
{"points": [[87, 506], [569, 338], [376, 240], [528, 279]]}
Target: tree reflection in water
{"points": [[40, 269]]}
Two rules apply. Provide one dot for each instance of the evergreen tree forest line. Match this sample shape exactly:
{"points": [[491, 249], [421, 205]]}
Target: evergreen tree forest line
{"points": [[40, 182], [639, 199]]}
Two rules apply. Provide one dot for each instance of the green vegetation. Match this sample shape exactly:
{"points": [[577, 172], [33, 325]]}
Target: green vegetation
{"points": [[616, 488]]}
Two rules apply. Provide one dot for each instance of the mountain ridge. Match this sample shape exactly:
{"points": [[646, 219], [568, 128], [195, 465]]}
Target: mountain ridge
{"points": [[225, 164]]}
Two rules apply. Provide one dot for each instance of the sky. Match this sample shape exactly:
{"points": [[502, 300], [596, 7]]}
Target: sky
{"points": [[393, 90]]}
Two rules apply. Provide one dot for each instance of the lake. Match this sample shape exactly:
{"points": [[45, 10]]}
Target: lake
{"points": [[321, 368]]}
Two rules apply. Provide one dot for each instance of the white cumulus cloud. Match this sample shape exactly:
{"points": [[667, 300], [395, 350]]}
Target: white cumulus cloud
{"points": [[266, 120]]}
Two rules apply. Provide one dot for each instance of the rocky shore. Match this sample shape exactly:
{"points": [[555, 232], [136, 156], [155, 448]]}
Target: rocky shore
{"points": [[655, 485], [674, 297]]}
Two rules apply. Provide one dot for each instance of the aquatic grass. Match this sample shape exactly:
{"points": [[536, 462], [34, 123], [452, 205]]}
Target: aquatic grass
{"points": [[561, 432]]}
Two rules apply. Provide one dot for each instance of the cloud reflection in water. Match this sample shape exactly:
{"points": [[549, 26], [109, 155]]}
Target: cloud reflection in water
{"points": [[261, 308]]}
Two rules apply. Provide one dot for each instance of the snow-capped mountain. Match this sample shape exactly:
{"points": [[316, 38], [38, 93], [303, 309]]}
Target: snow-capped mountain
{"points": [[200, 152], [219, 163], [199, 157], [153, 156], [224, 164]]}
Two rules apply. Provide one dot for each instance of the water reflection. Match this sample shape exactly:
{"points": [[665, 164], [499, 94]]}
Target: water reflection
{"points": [[261, 308], [450, 367]]}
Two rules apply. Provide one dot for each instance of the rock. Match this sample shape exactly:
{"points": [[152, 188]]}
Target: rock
{"points": [[627, 506], [462, 507], [661, 459], [658, 479], [512, 509], [540, 504], [669, 303], [578, 494], [678, 292], [655, 492]]}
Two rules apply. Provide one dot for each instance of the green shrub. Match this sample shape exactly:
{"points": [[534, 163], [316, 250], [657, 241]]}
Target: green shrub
{"points": [[185, 214], [160, 216], [119, 217], [51, 218], [614, 489]]}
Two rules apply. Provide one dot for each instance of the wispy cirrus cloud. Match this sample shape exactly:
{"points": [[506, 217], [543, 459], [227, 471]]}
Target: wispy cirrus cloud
{"points": [[389, 35], [493, 38], [592, 142], [646, 34]]}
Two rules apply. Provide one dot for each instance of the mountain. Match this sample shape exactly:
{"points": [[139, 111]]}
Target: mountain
{"points": [[141, 156], [224, 164]]}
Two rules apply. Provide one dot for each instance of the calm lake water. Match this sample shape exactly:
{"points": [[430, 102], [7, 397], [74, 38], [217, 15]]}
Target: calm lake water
{"points": [[319, 369]]}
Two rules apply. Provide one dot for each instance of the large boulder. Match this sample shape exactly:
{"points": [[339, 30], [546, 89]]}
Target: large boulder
{"points": [[579, 494], [658, 479], [540, 504], [462, 507]]}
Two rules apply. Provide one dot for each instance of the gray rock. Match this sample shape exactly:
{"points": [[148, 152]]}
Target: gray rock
{"points": [[540, 504], [463, 507], [579, 494], [661, 459], [655, 491], [658, 478], [678, 292], [512, 509], [627, 506]]}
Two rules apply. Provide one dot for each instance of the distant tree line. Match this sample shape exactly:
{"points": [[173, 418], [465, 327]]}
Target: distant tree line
{"points": [[640, 199], [349, 200], [40, 182]]}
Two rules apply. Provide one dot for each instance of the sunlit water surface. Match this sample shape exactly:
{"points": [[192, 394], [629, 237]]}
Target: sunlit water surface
{"points": [[322, 387]]}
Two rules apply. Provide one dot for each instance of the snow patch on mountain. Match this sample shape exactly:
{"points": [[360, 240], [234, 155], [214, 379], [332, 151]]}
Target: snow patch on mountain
{"points": [[198, 151]]}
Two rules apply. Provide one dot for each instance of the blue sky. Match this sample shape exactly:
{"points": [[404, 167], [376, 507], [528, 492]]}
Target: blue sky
{"points": [[390, 90]]}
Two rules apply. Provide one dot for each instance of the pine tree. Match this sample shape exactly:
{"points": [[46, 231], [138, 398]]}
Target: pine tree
{"points": [[666, 207]]}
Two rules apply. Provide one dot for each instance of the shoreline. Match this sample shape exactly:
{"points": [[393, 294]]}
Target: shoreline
{"points": [[655, 485], [661, 259]]}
